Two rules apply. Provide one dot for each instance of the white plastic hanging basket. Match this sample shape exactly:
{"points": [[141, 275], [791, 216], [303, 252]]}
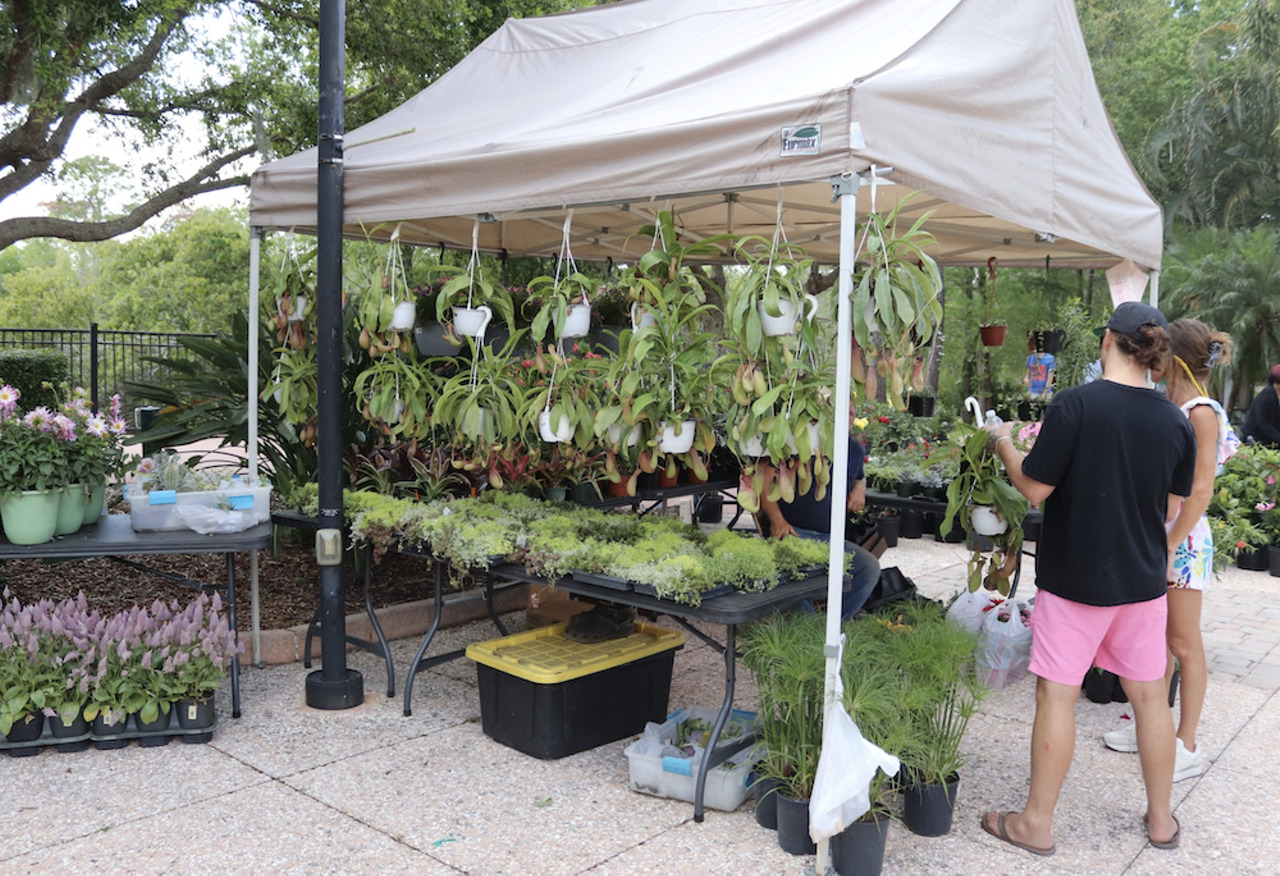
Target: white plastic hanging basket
{"points": [[753, 446], [787, 322], [615, 434], [472, 321], [577, 321], [405, 315], [299, 309], [986, 522], [562, 434], [673, 443]]}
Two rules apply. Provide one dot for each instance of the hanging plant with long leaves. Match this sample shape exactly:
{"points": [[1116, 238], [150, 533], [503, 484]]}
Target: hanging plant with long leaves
{"points": [[895, 300]]}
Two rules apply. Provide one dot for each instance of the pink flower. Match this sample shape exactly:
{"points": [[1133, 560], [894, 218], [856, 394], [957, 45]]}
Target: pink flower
{"points": [[96, 426], [1265, 506], [39, 418], [1271, 481], [117, 425], [116, 404]]}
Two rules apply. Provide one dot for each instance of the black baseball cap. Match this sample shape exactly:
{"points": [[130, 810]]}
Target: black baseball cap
{"points": [[1132, 315]]}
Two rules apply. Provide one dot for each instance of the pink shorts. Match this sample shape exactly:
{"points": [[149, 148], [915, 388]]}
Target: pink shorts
{"points": [[1069, 637]]}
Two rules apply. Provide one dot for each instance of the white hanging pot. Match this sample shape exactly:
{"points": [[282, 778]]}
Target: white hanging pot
{"points": [[299, 309], [673, 443], [641, 317], [984, 520], [577, 321], [562, 434], [753, 446], [404, 316], [472, 321], [786, 322], [278, 395], [815, 440], [615, 434], [397, 411]]}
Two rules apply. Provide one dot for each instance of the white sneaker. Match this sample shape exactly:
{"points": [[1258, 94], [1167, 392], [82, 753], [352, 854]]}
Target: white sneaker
{"points": [[1187, 764], [1125, 739]]}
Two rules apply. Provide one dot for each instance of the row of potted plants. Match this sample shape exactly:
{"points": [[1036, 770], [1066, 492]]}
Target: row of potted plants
{"points": [[55, 465], [910, 687], [68, 664], [659, 554]]}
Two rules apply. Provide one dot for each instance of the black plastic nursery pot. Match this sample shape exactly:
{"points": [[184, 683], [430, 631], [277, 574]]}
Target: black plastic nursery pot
{"points": [[858, 850], [1252, 559], [928, 808], [793, 826], [765, 789], [1273, 561], [912, 525], [889, 528]]}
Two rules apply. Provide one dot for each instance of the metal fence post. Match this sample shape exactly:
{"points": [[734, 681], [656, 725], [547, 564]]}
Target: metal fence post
{"points": [[93, 364]]}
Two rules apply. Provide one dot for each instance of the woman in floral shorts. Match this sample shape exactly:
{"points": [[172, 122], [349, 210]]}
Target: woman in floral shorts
{"points": [[1196, 349]]}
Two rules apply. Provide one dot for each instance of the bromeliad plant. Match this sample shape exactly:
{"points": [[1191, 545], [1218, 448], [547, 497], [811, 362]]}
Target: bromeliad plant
{"points": [[982, 482]]}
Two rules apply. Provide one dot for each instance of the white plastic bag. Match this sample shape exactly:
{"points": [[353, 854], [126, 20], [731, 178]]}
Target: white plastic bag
{"points": [[969, 609], [842, 786], [211, 521], [1004, 646]]}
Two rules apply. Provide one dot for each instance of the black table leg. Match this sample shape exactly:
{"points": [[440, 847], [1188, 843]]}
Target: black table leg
{"points": [[730, 676], [231, 617], [377, 627], [426, 642]]}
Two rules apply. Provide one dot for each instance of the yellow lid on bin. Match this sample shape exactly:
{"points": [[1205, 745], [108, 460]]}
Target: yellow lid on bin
{"points": [[545, 656]]}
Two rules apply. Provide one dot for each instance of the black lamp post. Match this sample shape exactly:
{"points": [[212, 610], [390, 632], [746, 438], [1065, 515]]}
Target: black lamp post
{"points": [[333, 686]]}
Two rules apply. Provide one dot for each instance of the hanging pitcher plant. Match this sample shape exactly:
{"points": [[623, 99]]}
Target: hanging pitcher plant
{"points": [[895, 302]]}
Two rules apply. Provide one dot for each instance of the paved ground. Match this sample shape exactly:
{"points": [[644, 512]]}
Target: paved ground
{"points": [[291, 790]]}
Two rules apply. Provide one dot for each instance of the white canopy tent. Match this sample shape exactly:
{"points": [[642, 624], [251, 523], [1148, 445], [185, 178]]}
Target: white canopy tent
{"points": [[721, 109]]}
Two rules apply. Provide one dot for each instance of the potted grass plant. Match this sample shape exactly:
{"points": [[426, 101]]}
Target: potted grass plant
{"points": [[941, 697]]}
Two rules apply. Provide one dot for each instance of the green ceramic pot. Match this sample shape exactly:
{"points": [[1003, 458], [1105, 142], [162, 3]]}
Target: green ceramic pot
{"points": [[93, 508], [30, 517], [70, 510]]}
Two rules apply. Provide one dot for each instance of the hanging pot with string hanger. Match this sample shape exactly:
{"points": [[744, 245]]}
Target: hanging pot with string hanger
{"points": [[992, 332], [561, 432]]}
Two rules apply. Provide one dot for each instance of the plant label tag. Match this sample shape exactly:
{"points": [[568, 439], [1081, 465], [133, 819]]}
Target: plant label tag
{"points": [[240, 503], [163, 497], [801, 140], [193, 712]]}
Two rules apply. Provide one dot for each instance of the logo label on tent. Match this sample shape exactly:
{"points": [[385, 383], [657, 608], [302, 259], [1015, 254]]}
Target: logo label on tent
{"points": [[801, 140]]}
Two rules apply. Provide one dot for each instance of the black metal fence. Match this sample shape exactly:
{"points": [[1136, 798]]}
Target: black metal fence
{"points": [[101, 360]]}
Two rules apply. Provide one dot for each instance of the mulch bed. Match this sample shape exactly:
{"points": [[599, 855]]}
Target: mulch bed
{"points": [[288, 585]]}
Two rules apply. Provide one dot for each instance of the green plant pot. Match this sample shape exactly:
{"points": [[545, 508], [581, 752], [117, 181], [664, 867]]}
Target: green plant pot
{"points": [[70, 510], [30, 517], [93, 508]]}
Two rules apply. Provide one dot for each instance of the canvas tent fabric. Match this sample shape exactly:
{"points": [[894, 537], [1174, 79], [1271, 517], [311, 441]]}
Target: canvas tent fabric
{"points": [[719, 109]]}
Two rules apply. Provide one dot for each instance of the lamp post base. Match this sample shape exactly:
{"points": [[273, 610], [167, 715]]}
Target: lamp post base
{"points": [[334, 694]]}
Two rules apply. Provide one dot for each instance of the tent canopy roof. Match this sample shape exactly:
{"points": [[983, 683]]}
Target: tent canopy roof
{"points": [[722, 110]]}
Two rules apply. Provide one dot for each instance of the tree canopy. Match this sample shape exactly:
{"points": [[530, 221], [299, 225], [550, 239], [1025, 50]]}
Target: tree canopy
{"points": [[221, 79]]}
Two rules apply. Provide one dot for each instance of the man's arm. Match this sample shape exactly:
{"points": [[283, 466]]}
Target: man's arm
{"points": [[1011, 456]]}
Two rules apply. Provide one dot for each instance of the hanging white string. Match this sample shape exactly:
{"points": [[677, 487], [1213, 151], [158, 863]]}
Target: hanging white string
{"points": [[471, 266]]}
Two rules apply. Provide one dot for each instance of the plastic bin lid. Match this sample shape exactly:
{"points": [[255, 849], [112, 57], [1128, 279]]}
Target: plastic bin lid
{"points": [[545, 656]]}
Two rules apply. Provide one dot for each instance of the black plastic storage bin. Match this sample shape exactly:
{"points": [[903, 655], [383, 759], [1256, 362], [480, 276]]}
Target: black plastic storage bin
{"points": [[549, 697]]}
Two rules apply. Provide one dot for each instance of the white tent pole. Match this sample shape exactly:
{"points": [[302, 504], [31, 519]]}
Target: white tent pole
{"points": [[255, 263], [846, 188], [1155, 288]]}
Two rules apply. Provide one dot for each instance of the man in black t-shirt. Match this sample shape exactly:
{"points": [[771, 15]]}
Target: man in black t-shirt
{"points": [[1262, 425], [807, 517], [1107, 459]]}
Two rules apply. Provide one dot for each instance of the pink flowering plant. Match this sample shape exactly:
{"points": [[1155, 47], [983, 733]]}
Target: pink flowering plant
{"points": [[29, 678], [32, 446], [95, 440], [151, 658]]}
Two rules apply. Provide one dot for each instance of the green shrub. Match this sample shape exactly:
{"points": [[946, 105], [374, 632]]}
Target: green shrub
{"points": [[36, 374]]}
